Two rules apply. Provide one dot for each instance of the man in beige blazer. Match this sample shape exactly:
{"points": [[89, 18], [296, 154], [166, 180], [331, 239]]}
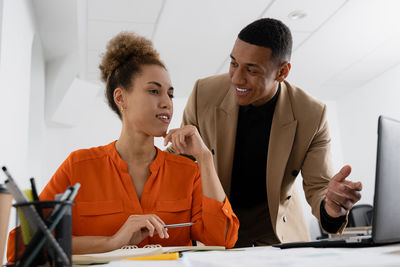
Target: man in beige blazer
{"points": [[289, 134]]}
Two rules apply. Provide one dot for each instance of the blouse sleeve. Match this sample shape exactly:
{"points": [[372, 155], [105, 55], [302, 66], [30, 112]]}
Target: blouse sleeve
{"points": [[216, 223]]}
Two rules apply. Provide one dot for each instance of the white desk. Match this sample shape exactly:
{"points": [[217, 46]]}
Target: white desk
{"points": [[269, 256]]}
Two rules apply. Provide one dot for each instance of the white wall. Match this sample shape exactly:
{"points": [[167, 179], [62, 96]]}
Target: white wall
{"points": [[36, 112], [15, 75], [19, 55], [1, 22], [358, 115]]}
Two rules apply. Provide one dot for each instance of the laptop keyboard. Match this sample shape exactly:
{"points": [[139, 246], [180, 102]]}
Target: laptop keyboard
{"points": [[358, 239]]}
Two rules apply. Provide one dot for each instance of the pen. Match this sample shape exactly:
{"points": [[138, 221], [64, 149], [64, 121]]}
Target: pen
{"points": [[144, 229], [178, 225], [64, 197], [39, 260], [35, 196]]}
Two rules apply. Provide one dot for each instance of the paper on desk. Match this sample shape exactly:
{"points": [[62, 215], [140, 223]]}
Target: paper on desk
{"points": [[269, 256]]}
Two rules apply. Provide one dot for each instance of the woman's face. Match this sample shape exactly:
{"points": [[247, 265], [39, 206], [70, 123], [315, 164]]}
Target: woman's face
{"points": [[148, 105]]}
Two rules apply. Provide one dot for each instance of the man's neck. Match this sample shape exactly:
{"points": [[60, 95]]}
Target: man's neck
{"points": [[268, 98]]}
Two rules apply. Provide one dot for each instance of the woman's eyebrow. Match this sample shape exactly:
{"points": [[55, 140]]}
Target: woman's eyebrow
{"points": [[159, 85], [155, 83]]}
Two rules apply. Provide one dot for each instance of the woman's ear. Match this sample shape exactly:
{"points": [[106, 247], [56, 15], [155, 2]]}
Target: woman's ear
{"points": [[283, 71], [119, 98]]}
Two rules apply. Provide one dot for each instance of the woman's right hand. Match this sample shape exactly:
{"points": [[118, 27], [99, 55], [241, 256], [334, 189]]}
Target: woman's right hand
{"points": [[138, 227]]}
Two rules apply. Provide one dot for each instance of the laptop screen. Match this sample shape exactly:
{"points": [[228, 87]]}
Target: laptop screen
{"points": [[386, 217]]}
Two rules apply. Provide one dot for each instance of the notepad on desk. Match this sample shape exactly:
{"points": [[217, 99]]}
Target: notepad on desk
{"points": [[134, 251]]}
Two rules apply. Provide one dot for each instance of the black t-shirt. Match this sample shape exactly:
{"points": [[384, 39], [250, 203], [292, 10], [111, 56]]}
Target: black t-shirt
{"points": [[248, 185]]}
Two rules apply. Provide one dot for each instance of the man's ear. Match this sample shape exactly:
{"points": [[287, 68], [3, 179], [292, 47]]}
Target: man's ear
{"points": [[119, 98], [283, 71]]}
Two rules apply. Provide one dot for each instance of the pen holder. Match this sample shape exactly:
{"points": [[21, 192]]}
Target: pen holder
{"points": [[37, 252]]}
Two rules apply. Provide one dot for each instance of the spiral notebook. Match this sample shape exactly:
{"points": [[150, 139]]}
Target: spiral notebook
{"points": [[134, 251]]}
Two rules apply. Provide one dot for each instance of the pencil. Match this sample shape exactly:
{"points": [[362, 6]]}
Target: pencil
{"points": [[166, 256]]}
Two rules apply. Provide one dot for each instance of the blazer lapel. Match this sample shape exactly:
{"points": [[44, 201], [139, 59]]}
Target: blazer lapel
{"points": [[283, 130], [226, 117]]}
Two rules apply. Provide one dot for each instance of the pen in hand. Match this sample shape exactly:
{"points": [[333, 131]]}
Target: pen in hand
{"points": [[172, 226], [178, 225]]}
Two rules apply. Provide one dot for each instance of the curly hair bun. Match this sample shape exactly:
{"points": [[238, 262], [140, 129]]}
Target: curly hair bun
{"points": [[125, 47]]}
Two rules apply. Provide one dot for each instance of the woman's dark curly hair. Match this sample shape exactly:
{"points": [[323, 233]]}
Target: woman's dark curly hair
{"points": [[126, 53]]}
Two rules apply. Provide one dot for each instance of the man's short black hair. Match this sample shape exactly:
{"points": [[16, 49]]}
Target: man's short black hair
{"points": [[270, 33]]}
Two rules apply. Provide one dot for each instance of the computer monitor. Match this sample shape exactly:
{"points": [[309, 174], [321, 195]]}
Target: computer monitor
{"points": [[386, 216]]}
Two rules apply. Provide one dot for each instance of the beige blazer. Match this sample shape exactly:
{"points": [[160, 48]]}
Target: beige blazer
{"points": [[299, 141]]}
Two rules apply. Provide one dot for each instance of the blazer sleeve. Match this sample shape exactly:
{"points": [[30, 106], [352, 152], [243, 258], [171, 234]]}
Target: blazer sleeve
{"points": [[216, 223], [317, 169]]}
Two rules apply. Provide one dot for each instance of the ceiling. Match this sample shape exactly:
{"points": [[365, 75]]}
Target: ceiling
{"points": [[338, 46]]}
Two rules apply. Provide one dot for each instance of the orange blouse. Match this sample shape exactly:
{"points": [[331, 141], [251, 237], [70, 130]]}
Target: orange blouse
{"points": [[107, 197]]}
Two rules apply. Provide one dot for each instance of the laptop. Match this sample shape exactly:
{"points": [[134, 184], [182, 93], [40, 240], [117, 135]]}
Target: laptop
{"points": [[386, 217]]}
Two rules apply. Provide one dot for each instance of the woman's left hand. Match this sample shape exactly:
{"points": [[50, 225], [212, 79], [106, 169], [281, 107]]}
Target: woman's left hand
{"points": [[187, 140]]}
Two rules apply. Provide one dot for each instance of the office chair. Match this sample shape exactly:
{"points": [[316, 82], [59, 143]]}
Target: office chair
{"points": [[360, 215]]}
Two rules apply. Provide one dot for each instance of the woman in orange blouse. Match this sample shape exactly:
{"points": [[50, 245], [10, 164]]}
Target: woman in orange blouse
{"points": [[129, 188]]}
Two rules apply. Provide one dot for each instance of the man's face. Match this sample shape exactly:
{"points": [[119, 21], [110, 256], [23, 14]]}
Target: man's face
{"points": [[253, 74]]}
